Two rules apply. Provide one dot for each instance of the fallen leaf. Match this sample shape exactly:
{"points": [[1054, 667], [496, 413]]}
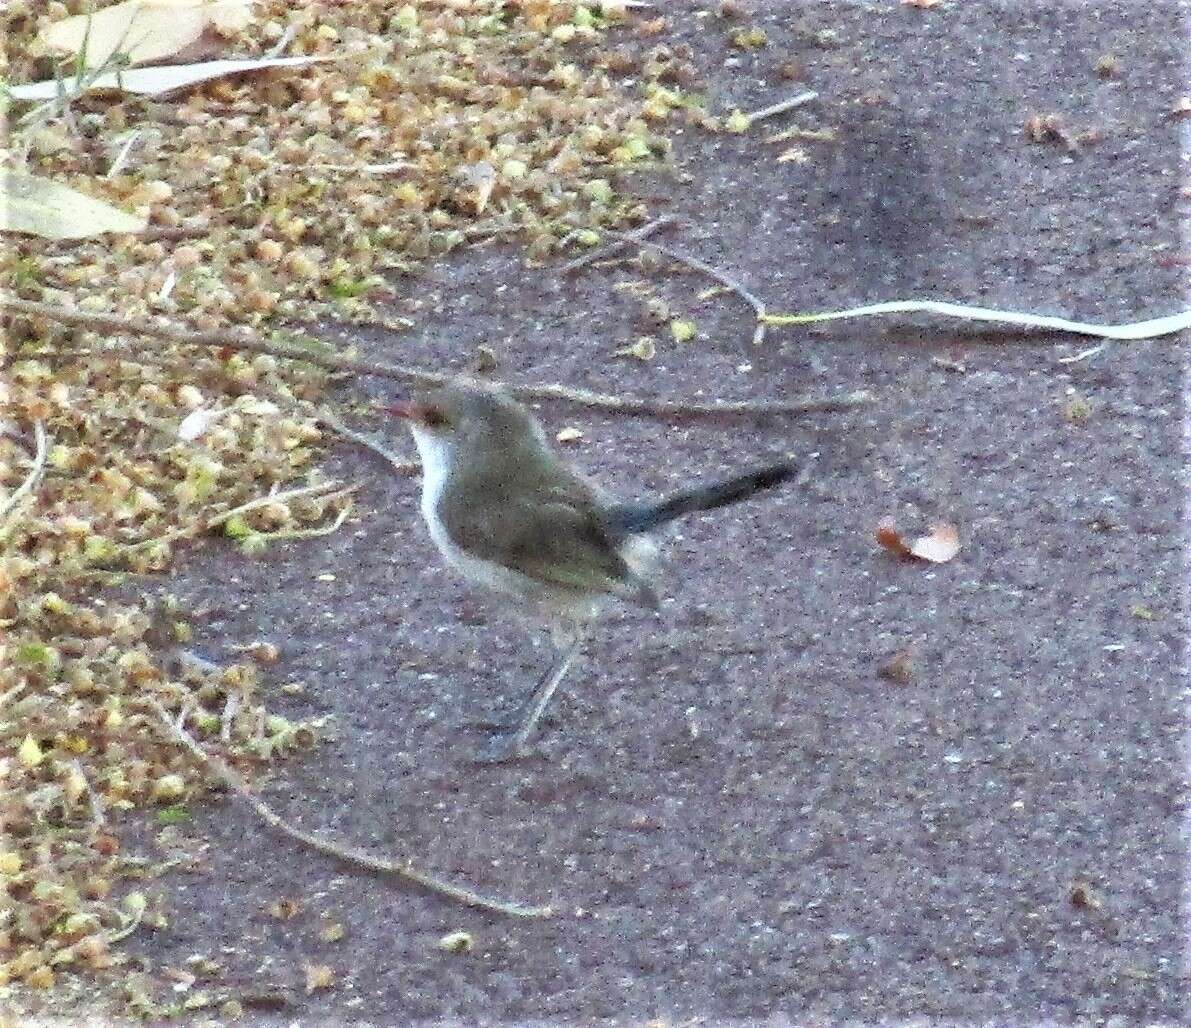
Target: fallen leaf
{"points": [[900, 667], [144, 30], [889, 537], [643, 349], [332, 932], [1182, 107], [737, 121], [795, 155], [1084, 896], [42, 207], [569, 435], [682, 330], [456, 942], [319, 976], [924, 5], [156, 81], [285, 909], [480, 178], [30, 752], [197, 422], [938, 547]]}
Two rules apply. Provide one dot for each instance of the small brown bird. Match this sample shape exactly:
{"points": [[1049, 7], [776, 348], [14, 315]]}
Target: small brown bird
{"points": [[512, 515]]}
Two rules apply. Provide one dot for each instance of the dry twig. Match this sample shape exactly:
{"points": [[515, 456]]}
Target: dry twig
{"points": [[722, 277], [782, 106], [402, 467], [606, 251], [326, 490], [676, 410], [404, 870], [10, 508]]}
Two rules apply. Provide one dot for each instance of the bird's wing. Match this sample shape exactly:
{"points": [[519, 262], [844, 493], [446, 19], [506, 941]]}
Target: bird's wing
{"points": [[555, 534]]}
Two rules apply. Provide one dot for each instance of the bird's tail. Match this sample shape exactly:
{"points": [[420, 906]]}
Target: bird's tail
{"points": [[635, 518]]}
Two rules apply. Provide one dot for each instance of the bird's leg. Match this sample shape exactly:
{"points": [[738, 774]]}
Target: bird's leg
{"points": [[512, 746]]}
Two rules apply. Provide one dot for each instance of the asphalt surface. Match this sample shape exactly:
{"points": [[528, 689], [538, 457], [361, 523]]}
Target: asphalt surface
{"points": [[740, 818]]}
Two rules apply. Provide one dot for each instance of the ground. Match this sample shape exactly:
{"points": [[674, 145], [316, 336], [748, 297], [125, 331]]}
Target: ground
{"points": [[740, 817]]}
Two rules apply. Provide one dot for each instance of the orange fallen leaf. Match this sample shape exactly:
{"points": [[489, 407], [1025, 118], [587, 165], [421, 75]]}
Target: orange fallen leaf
{"points": [[889, 537], [939, 547]]}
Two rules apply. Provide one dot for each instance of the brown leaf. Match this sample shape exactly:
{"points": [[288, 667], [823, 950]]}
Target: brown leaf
{"points": [[285, 909], [318, 976], [900, 667], [937, 547], [889, 537], [940, 546]]}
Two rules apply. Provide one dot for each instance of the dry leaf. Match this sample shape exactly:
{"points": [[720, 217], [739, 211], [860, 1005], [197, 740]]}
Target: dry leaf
{"points": [[332, 932], [940, 546], [900, 667], [145, 30], [925, 5], [42, 207], [1182, 108], [481, 178], [643, 349], [156, 81], [569, 435], [285, 909], [889, 537], [318, 976], [456, 942], [197, 422]]}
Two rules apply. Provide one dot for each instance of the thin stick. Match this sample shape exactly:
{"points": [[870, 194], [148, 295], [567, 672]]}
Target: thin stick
{"points": [[10, 509], [402, 467], [782, 106], [604, 251], [632, 406], [722, 277], [235, 782], [190, 531]]}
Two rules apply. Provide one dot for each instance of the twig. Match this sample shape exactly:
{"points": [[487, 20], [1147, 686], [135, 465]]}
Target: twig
{"points": [[311, 533], [1083, 355], [190, 531], [402, 467], [404, 870], [11, 694], [10, 508], [604, 251], [782, 106], [230, 707], [687, 410], [721, 277]]}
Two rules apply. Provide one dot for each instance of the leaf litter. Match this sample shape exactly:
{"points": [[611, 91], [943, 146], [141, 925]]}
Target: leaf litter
{"points": [[264, 203]]}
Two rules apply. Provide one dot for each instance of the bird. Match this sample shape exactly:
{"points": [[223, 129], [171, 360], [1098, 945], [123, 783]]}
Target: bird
{"points": [[512, 515]]}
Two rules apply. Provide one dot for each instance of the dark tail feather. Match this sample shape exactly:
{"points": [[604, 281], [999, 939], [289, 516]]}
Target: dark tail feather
{"points": [[635, 518]]}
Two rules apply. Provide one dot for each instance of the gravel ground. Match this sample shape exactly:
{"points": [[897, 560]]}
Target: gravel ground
{"points": [[740, 818]]}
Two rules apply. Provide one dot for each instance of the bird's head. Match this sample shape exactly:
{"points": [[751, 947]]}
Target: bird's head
{"points": [[471, 418]]}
